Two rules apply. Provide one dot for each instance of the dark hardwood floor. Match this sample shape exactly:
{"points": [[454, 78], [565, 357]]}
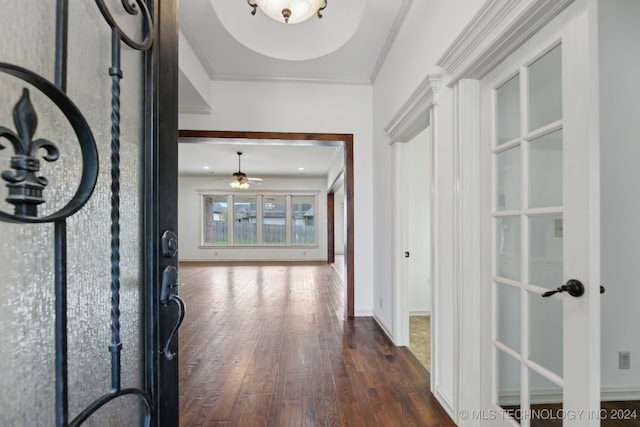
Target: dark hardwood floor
{"points": [[268, 345]]}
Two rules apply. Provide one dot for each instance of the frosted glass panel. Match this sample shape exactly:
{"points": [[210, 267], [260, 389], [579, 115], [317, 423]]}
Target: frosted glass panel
{"points": [[545, 332], [89, 230], [546, 402], [26, 251], [508, 247], [508, 384], [26, 270], [545, 251], [508, 179], [508, 111], [545, 89], [545, 171], [508, 317]]}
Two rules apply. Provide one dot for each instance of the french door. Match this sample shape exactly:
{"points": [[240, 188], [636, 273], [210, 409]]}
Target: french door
{"points": [[541, 334], [88, 145]]}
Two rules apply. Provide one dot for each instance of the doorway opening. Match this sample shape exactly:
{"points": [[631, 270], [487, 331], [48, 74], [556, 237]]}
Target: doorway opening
{"points": [[344, 182], [418, 213]]}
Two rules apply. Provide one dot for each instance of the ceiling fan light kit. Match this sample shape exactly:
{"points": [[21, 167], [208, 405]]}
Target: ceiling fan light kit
{"points": [[240, 180], [289, 11]]}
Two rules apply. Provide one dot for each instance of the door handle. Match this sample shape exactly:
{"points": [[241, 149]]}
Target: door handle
{"points": [[574, 287], [168, 295], [181, 309]]}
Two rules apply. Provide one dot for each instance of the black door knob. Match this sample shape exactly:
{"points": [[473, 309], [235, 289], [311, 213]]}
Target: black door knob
{"points": [[574, 287]]}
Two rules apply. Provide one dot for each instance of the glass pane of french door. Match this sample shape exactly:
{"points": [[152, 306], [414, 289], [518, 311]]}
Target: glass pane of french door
{"points": [[27, 250], [528, 248]]}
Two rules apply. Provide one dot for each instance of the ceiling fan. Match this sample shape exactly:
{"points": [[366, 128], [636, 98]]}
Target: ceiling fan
{"points": [[240, 180]]}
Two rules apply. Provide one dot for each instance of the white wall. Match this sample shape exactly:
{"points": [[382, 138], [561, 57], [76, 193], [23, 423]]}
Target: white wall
{"points": [[190, 190], [619, 52], [429, 29], [307, 107], [419, 153]]}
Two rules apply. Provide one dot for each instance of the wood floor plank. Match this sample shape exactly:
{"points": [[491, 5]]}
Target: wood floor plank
{"points": [[267, 344]]}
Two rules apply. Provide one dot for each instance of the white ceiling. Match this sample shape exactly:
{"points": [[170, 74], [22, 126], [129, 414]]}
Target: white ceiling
{"points": [[356, 62], [357, 33], [258, 159]]}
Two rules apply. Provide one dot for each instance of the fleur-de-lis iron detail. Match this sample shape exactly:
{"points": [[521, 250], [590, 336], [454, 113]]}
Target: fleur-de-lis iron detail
{"points": [[25, 188]]}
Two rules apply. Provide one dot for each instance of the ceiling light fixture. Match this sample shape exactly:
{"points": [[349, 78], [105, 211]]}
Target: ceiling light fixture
{"points": [[289, 11], [240, 180]]}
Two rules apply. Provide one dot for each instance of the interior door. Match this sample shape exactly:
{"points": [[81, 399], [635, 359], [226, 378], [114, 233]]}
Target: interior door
{"points": [[88, 304], [542, 332]]}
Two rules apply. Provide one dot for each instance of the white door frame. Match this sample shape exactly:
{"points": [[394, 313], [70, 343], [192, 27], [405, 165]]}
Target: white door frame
{"points": [[496, 31], [414, 116]]}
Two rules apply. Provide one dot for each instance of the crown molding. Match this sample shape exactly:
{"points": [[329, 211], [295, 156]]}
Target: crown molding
{"points": [[194, 110], [312, 80], [497, 30], [414, 114]]}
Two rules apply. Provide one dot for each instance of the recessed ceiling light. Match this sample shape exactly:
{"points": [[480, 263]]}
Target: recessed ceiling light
{"points": [[206, 167], [300, 169]]}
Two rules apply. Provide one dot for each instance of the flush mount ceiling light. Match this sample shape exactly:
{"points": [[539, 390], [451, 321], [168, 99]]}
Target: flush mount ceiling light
{"points": [[289, 11]]}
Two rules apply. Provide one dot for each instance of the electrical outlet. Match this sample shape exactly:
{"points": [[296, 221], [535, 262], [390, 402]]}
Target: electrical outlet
{"points": [[624, 360], [380, 302]]}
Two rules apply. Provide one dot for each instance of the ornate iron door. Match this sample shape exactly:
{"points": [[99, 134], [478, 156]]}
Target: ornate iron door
{"points": [[89, 310]]}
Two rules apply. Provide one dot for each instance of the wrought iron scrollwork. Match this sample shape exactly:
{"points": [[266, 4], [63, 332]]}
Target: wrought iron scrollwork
{"points": [[24, 180], [118, 36], [25, 187], [26, 190]]}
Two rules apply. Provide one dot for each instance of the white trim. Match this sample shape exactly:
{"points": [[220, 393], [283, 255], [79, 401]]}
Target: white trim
{"points": [[468, 254], [413, 116], [385, 328], [195, 110], [497, 30], [607, 394], [445, 402], [363, 313], [263, 79], [426, 312], [538, 396], [620, 392], [434, 232]]}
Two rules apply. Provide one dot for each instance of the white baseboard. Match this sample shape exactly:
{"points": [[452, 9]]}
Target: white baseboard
{"points": [[607, 394], [420, 312], [538, 396], [385, 328], [362, 312], [624, 392], [445, 402]]}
